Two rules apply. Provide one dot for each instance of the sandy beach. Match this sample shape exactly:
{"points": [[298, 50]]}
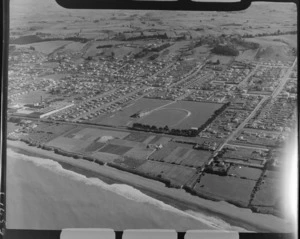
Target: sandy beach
{"points": [[236, 217]]}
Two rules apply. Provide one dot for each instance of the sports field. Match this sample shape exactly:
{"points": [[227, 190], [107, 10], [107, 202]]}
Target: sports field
{"points": [[122, 118], [171, 117], [181, 115]]}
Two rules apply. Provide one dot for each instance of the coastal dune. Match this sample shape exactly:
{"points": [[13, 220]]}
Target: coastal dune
{"points": [[53, 191]]}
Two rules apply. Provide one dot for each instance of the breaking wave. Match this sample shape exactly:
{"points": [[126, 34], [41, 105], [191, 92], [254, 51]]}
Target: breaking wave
{"points": [[124, 191]]}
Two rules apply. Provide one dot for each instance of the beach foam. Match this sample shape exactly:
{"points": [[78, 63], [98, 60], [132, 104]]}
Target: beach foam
{"points": [[43, 195]]}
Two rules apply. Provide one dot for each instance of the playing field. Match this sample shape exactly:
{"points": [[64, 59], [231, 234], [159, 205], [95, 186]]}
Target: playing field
{"points": [[181, 115], [165, 116], [122, 118]]}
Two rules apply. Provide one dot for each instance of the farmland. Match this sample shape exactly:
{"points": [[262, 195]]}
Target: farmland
{"points": [[85, 140], [269, 191], [231, 189], [49, 46], [181, 154], [245, 172], [247, 155], [174, 96], [41, 133], [105, 145], [177, 174], [91, 134]]}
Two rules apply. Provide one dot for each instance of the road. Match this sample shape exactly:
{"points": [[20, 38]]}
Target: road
{"points": [[271, 66], [283, 81], [117, 70], [160, 71], [123, 97], [248, 76], [242, 125], [108, 104], [190, 75], [273, 95], [247, 146]]}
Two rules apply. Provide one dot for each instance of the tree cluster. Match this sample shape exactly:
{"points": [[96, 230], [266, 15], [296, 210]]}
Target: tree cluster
{"points": [[225, 50], [278, 32]]}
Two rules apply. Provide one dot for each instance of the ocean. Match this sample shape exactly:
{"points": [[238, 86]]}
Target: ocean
{"points": [[41, 194]]}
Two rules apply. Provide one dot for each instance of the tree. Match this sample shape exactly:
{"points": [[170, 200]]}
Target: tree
{"points": [[153, 128]]}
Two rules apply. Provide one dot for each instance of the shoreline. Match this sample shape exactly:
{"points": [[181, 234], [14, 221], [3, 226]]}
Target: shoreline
{"points": [[236, 217]]}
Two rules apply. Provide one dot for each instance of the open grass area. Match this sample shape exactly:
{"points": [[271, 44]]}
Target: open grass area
{"points": [[48, 46], [45, 132], [161, 154], [181, 115], [245, 172], [131, 163], [247, 55], [288, 39], [159, 140], [91, 134], [139, 153], [126, 143], [188, 157], [181, 154], [104, 144], [162, 117], [122, 118], [246, 153], [270, 191], [33, 97], [115, 149], [137, 137], [69, 145], [231, 189], [105, 157], [93, 147], [10, 127]]}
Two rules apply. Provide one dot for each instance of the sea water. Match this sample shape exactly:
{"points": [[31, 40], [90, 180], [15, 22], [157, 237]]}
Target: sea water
{"points": [[43, 195]]}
